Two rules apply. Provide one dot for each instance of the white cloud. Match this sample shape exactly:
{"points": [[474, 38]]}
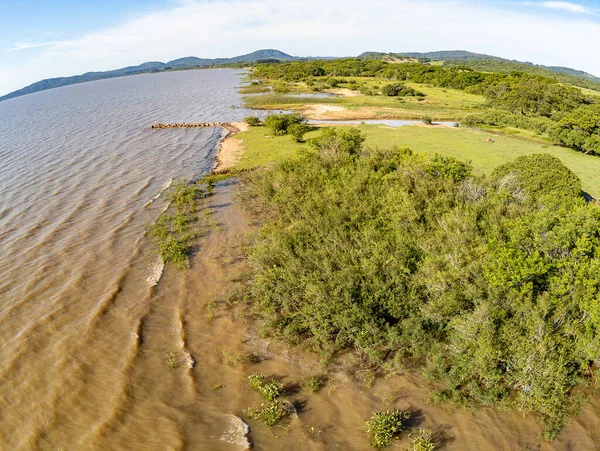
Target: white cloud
{"points": [[561, 6], [26, 46], [215, 28]]}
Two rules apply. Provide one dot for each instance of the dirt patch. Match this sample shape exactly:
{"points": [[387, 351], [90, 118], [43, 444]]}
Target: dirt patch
{"points": [[231, 148], [321, 111], [344, 92]]}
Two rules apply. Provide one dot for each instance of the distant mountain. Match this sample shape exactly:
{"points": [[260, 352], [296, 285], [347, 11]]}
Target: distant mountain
{"points": [[190, 62], [477, 61], [489, 63]]}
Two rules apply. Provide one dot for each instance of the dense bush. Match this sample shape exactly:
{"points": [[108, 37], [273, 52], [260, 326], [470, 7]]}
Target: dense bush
{"points": [[297, 131], [539, 175], [400, 90], [384, 427], [252, 121], [503, 118], [493, 289], [580, 129], [278, 123]]}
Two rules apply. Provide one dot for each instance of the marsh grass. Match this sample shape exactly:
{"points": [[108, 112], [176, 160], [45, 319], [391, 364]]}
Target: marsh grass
{"points": [[269, 413], [171, 359], [268, 390], [173, 232], [313, 383], [254, 89], [385, 427], [239, 358], [424, 441], [276, 99]]}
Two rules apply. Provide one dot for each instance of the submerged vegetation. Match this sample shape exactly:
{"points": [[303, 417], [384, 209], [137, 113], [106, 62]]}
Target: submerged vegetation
{"points": [[173, 232], [488, 283], [384, 427]]}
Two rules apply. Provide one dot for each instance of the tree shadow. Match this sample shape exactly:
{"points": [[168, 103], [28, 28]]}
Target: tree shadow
{"points": [[442, 436], [416, 417]]}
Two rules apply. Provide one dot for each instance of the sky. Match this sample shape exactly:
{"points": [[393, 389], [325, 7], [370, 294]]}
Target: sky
{"points": [[44, 39]]}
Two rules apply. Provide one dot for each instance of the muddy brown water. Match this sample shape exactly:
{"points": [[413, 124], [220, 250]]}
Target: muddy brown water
{"points": [[86, 331]]}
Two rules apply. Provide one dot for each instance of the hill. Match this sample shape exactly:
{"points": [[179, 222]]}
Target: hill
{"points": [[149, 67], [477, 61], [489, 63]]}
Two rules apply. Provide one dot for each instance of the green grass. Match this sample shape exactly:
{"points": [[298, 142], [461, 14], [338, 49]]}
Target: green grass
{"points": [[254, 89], [466, 144], [461, 143], [260, 150], [439, 103]]}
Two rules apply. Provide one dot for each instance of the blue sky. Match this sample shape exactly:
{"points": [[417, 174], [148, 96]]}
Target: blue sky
{"points": [[43, 39]]}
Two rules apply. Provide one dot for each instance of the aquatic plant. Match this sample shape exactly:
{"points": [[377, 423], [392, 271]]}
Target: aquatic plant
{"points": [[384, 427], [268, 390], [424, 441], [171, 359], [313, 383], [269, 413]]}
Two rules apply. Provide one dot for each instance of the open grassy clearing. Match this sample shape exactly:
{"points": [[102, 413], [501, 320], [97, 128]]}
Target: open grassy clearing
{"points": [[462, 143], [439, 103]]}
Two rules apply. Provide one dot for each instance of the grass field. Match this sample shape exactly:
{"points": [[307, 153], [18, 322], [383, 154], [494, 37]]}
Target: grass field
{"points": [[439, 103], [461, 143]]}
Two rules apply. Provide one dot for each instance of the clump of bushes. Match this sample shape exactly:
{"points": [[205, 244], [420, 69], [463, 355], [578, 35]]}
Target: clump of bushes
{"points": [[338, 141], [540, 175], [281, 88], [278, 124], [579, 129], [400, 90], [252, 121], [297, 132], [413, 259], [385, 427]]}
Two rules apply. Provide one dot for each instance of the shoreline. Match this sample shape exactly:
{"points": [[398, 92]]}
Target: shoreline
{"points": [[230, 149]]}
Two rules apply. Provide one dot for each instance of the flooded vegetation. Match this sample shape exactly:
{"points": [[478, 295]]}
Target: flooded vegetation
{"points": [[148, 307]]}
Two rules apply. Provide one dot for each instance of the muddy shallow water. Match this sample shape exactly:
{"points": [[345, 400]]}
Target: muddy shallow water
{"points": [[88, 336]]}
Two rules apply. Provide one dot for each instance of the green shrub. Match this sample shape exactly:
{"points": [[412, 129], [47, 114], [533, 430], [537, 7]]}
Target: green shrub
{"points": [[278, 123], [281, 88], [539, 175], [412, 258], [297, 131], [338, 141], [384, 427], [184, 193], [424, 441], [269, 413], [313, 384], [400, 90], [252, 121], [427, 120], [268, 390]]}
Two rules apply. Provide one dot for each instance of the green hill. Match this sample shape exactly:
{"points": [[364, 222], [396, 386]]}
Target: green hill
{"points": [[149, 67], [489, 63]]}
